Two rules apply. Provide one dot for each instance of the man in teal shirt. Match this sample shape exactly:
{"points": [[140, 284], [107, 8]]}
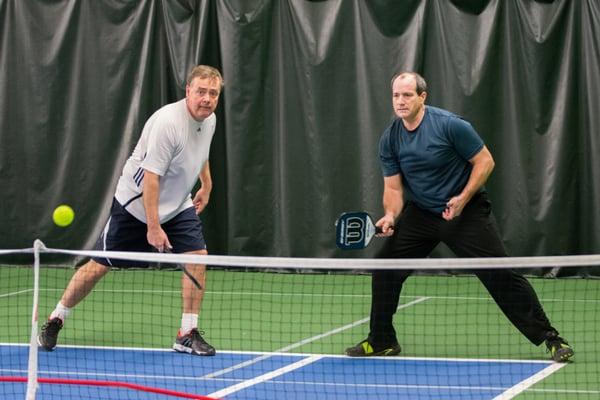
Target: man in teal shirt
{"points": [[435, 166]]}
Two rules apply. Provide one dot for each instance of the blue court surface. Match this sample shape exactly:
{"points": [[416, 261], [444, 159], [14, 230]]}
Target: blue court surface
{"points": [[234, 375]]}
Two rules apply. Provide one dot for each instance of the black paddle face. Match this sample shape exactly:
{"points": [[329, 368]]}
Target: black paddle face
{"points": [[354, 230]]}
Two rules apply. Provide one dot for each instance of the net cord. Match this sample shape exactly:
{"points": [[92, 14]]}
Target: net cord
{"points": [[344, 263], [333, 263]]}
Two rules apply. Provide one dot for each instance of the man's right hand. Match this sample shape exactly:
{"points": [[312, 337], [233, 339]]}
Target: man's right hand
{"points": [[158, 239], [386, 224]]}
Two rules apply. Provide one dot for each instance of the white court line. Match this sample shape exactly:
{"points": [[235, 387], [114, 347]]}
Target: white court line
{"points": [[527, 383], [225, 293], [237, 366], [391, 386], [265, 377], [275, 354], [303, 342], [16, 293], [177, 291], [113, 375], [289, 294], [566, 391], [543, 300], [426, 387]]}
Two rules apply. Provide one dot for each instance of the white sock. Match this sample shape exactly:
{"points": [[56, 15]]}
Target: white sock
{"points": [[188, 322], [61, 312]]}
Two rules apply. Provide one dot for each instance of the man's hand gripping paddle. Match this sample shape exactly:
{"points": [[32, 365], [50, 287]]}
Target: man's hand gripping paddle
{"points": [[354, 230]]}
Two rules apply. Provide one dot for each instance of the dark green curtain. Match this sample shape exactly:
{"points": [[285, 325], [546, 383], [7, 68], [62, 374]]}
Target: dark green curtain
{"points": [[307, 96]]}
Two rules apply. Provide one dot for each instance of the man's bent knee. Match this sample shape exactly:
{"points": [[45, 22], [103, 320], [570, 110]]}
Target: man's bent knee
{"points": [[93, 270]]}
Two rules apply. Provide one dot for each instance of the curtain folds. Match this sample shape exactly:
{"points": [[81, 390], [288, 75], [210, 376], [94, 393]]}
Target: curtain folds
{"points": [[307, 96]]}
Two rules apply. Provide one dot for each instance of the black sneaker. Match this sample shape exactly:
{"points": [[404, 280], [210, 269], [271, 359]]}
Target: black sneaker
{"points": [[194, 344], [49, 334], [364, 349], [559, 348]]}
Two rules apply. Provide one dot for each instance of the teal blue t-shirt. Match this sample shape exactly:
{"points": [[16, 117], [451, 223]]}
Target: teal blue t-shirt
{"points": [[433, 160]]}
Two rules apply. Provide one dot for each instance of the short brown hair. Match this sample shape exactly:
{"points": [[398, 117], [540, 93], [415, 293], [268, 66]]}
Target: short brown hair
{"points": [[205, 72], [421, 84]]}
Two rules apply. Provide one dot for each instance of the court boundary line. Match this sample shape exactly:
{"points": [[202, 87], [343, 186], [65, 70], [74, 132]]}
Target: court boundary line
{"points": [[343, 295], [390, 386], [195, 378], [113, 375], [443, 387], [264, 377], [174, 291], [527, 383], [16, 293], [279, 353], [565, 391]]}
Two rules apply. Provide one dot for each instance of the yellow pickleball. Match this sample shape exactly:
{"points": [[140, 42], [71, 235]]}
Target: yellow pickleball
{"points": [[63, 215]]}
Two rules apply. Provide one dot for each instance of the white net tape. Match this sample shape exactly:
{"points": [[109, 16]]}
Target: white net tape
{"points": [[335, 263]]}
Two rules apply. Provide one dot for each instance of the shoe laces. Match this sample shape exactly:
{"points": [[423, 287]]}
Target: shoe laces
{"points": [[52, 326], [195, 334], [555, 343]]}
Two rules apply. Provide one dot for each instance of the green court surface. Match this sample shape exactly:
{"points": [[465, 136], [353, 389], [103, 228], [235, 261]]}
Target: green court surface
{"points": [[441, 316]]}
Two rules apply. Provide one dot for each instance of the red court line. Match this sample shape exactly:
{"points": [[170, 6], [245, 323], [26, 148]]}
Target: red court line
{"points": [[91, 382]]}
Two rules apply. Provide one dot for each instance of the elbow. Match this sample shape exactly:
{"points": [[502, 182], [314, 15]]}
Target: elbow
{"points": [[489, 162], [491, 165]]}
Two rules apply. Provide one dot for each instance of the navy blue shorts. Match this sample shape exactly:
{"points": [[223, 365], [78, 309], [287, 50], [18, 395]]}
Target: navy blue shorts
{"points": [[124, 232]]}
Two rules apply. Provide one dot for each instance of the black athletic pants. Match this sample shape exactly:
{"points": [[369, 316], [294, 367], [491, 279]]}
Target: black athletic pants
{"points": [[472, 234]]}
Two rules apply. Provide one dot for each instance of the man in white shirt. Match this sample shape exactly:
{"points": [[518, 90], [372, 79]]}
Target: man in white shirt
{"points": [[153, 207]]}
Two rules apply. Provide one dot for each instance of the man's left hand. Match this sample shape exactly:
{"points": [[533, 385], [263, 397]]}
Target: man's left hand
{"points": [[454, 207]]}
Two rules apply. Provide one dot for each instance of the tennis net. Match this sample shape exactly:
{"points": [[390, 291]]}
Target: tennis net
{"points": [[280, 327]]}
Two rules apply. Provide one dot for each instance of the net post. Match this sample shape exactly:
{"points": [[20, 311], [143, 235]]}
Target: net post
{"points": [[32, 367]]}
